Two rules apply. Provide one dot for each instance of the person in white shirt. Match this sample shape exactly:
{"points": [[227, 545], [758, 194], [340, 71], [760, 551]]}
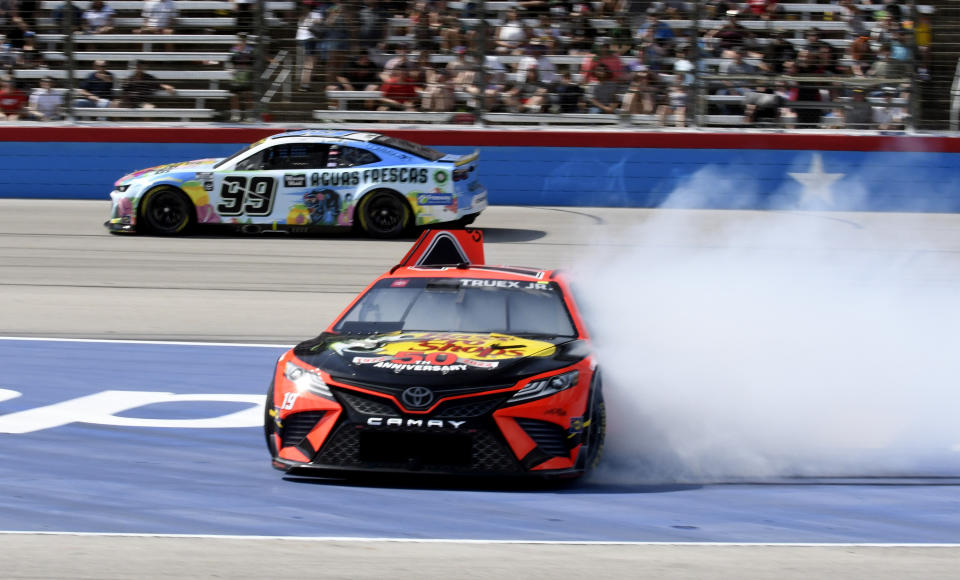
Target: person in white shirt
{"points": [[98, 19], [45, 103], [159, 17]]}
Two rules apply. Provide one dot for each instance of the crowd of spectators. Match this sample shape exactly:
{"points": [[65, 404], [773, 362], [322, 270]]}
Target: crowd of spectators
{"points": [[536, 56]]}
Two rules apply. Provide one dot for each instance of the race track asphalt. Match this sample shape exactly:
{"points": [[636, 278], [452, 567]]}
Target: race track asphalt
{"points": [[63, 276]]}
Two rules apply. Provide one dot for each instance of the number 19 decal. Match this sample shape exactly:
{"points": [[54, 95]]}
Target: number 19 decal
{"points": [[255, 199]]}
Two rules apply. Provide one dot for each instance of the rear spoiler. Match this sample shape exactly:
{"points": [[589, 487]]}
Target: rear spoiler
{"points": [[467, 158], [445, 248]]}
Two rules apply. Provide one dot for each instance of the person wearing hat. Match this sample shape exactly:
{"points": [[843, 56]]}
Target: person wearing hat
{"points": [[97, 89], [30, 56], [858, 113]]}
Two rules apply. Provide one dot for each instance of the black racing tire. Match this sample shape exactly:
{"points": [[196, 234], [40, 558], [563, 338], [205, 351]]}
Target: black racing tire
{"points": [[166, 211], [269, 424], [596, 430], [384, 214]]}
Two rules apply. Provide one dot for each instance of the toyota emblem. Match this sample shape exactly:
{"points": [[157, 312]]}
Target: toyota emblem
{"points": [[417, 397]]}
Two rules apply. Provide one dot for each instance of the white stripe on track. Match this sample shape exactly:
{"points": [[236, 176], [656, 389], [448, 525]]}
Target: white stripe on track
{"points": [[465, 541]]}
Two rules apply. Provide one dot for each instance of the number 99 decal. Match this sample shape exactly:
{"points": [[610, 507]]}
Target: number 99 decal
{"points": [[255, 198]]}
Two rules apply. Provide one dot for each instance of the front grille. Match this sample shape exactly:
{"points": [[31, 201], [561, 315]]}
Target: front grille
{"points": [[549, 437], [474, 450], [458, 409], [297, 426], [368, 406]]}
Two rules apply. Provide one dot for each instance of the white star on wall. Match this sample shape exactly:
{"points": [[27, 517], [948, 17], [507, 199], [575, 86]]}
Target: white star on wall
{"points": [[816, 183]]}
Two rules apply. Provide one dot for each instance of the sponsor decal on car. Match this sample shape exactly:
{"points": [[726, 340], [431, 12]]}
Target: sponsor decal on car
{"points": [[297, 180], [434, 198], [440, 351]]}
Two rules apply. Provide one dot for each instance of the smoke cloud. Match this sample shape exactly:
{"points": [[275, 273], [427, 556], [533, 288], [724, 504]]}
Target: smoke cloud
{"points": [[741, 345]]}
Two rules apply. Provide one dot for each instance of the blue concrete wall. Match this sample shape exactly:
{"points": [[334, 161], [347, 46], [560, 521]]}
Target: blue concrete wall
{"points": [[876, 180]]}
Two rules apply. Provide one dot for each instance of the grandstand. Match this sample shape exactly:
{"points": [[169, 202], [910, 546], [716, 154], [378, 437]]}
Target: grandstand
{"points": [[694, 64]]}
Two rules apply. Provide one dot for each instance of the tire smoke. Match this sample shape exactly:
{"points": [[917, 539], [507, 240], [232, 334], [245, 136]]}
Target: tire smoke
{"points": [[742, 345]]}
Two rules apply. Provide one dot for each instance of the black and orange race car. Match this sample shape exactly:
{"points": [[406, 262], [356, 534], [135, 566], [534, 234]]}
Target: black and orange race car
{"points": [[443, 365]]}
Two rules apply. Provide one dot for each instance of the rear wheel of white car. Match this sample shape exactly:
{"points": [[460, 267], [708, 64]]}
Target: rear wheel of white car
{"points": [[384, 214], [166, 211]]}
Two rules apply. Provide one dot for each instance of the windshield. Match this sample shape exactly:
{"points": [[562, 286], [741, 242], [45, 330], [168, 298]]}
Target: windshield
{"points": [[460, 305], [240, 152], [427, 153]]}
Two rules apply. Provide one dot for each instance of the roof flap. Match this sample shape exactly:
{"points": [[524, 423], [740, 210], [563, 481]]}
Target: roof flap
{"points": [[445, 248]]}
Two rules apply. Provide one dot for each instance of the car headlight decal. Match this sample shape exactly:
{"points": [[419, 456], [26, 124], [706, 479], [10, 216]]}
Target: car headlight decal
{"points": [[546, 387], [306, 380], [123, 188]]}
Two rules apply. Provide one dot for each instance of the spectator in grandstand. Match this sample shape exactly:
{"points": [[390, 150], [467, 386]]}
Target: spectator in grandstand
{"points": [[731, 35], [763, 105], [97, 89], [714, 9], [859, 56], [536, 57], [244, 11], [68, 17], [735, 66], [531, 95], [140, 87], [568, 96], [856, 23], [310, 30], [400, 91], [512, 36], [858, 113], [581, 32], [30, 56], [641, 95], [339, 23], [883, 28], [885, 67], [241, 65], [491, 81], [27, 11], [400, 60], [922, 37], [683, 67], [13, 101], [371, 27], [45, 103], [655, 29], [675, 104], [361, 75], [438, 92], [98, 18], [11, 23], [602, 93], [621, 35], [548, 32], [806, 92], [159, 17], [778, 51], [890, 116], [602, 56], [763, 9], [9, 56]]}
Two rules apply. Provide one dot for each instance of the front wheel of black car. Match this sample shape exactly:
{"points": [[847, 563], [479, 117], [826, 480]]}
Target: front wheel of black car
{"points": [[384, 214], [596, 431], [269, 423], [166, 211]]}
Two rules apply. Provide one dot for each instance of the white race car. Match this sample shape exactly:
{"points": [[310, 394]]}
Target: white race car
{"points": [[303, 180]]}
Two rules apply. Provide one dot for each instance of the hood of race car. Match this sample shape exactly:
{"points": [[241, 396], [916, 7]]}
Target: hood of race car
{"points": [[182, 166], [436, 359]]}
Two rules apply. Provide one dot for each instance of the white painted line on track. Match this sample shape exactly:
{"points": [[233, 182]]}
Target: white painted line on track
{"points": [[467, 541], [118, 341]]}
